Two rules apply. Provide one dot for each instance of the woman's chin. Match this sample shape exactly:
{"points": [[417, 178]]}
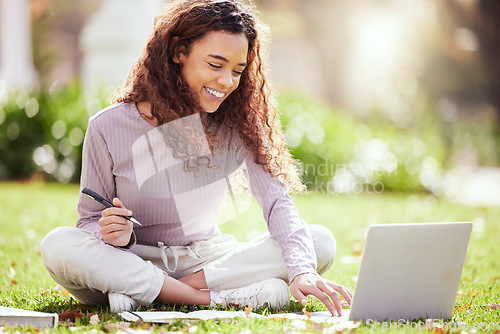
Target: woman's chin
{"points": [[210, 109]]}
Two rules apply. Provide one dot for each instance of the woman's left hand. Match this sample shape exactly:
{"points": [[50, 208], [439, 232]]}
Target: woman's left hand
{"points": [[326, 291]]}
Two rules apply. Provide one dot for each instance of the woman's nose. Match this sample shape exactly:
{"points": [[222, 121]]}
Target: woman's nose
{"points": [[226, 79]]}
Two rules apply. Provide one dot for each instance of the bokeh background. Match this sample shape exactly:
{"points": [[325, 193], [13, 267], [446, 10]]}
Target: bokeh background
{"points": [[374, 96]]}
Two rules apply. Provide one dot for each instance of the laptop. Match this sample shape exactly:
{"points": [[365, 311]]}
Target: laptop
{"points": [[410, 271]]}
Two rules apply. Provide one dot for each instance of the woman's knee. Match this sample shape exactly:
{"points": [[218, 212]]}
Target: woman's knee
{"points": [[324, 245], [56, 247]]}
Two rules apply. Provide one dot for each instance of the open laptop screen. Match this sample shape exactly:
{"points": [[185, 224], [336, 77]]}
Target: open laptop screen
{"points": [[410, 271]]}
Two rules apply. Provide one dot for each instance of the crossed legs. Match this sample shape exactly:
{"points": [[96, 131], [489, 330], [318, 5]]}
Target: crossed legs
{"points": [[89, 269]]}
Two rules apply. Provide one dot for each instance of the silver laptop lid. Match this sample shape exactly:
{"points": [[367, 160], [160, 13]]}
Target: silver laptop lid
{"points": [[410, 271]]}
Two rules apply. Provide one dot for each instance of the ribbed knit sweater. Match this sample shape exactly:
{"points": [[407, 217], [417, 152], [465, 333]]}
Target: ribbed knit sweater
{"points": [[126, 157]]}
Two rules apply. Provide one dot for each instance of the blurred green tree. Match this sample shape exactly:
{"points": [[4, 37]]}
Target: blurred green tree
{"points": [[488, 30]]}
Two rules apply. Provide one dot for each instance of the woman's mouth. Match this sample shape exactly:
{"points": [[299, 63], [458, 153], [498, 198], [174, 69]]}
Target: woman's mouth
{"points": [[215, 93]]}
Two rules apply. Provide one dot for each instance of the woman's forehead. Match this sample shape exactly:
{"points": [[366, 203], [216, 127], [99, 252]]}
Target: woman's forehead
{"points": [[233, 47]]}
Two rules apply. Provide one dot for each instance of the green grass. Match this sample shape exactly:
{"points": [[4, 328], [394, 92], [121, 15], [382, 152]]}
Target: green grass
{"points": [[28, 211]]}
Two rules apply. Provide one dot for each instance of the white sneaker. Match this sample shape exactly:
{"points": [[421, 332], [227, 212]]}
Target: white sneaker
{"points": [[119, 302], [273, 291]]}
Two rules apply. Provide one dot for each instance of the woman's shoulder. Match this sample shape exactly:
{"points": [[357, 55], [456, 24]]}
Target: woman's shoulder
{"points": [[110, 113]]}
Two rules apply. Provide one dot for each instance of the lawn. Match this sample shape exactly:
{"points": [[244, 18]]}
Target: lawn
{"points": [[30, 210]]}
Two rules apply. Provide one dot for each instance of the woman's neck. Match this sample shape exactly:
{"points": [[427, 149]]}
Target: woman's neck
{"points": [[144, 108]]}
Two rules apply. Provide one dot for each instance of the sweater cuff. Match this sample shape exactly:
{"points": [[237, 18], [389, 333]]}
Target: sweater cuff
{"points": [[132, 242]]}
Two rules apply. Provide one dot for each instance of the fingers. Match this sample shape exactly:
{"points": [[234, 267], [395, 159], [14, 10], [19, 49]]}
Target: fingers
{"points": [[118, 203], [112, 224], [116, 230], [326, 291], [112, 220], [333, 290], [300, 297], [342, 291], [322, 292], [117, 210]]}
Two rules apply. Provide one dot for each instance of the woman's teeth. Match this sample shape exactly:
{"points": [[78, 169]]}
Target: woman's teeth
{"points": [[214, 93]]}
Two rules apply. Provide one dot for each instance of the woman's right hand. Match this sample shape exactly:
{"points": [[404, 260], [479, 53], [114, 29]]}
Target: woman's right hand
{"points": [[115, 229]]}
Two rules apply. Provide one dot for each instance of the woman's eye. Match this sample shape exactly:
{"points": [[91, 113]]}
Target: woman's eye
{"points": [[215, 66], [238, 73]]}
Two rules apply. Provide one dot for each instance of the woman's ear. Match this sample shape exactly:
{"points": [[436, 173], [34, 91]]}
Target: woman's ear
{"points": [[179, 54], [179, 57]]}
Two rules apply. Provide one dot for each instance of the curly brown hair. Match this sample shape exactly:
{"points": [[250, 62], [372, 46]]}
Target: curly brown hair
{"points": [[156, 78]]}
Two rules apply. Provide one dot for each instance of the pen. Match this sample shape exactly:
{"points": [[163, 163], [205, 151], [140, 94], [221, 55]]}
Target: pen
{"points": [[106, 203]]}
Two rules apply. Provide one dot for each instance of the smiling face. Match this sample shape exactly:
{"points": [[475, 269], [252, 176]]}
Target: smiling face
{"points": [[213, 67]]}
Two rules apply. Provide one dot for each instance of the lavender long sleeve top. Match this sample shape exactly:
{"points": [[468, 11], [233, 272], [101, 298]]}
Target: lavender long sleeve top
{"points": [[124, 156]]}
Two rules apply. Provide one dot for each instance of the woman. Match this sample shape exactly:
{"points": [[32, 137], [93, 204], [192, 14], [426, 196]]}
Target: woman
{"points": [[195, 108]]}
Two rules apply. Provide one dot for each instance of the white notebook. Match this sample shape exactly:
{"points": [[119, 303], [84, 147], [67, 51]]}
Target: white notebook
{"points": [[18, 317]]}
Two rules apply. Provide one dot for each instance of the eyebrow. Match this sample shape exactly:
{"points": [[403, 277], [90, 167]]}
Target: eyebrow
{"points": [[225, 60]]}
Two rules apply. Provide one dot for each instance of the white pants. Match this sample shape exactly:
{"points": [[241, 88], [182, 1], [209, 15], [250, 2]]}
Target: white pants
{"points": [[89, 269]]}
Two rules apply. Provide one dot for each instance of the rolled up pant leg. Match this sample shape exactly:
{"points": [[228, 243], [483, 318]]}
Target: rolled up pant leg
{"points": [[89, 269], [261, 259]]}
